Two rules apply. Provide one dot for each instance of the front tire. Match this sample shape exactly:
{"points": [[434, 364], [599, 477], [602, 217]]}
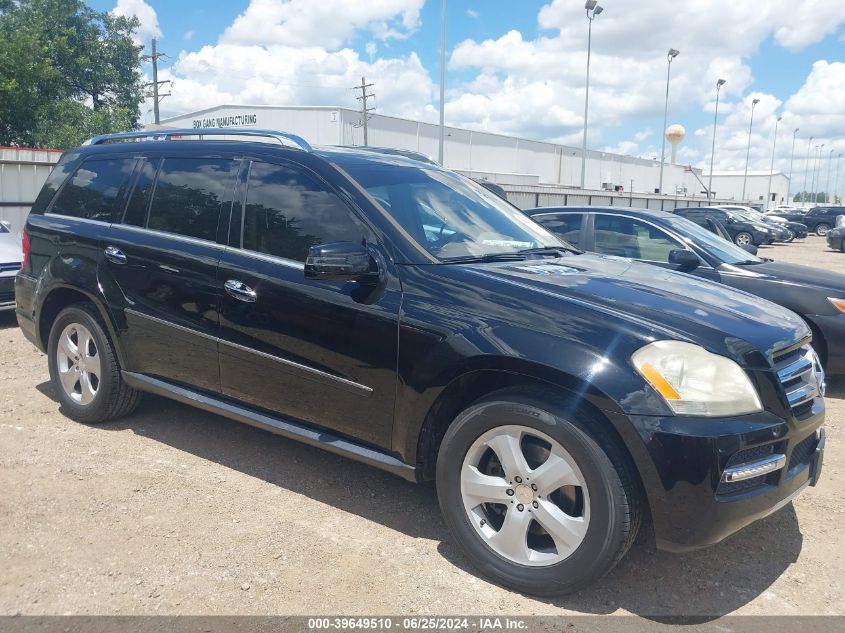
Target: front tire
{"points": [[743, 238], [84, 369], [822, 229], [540, 501]]}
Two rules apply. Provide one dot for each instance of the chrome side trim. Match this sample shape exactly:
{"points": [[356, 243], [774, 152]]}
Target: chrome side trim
{"points": [[71, 218], [295, 365], [243, 348], [287, 428], [175, 236], [176, 326], [754, 469]]}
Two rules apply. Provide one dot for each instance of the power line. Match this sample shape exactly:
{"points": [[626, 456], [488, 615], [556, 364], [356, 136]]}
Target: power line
{"points": [[365, 111], [153, 86]]}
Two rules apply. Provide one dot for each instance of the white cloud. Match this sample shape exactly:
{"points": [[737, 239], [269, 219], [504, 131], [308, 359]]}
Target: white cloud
{"points": [[146, 16], [188, 35], [328, 23], [472, 13]]}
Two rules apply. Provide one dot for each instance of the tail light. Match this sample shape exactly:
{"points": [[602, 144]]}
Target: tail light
{"points": [[26, 250]]}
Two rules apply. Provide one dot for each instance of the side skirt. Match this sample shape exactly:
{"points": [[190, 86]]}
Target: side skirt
{"points": [[292, 430]]}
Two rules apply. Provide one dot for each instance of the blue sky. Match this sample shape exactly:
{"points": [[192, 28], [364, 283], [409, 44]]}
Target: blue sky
{"points": [[518, 68]]}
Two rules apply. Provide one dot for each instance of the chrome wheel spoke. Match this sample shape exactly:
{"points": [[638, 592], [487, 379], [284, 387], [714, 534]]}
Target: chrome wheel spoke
{"points": [[69, 377], [67, 347], [478, 488], [512, 539], [87, 391], [566, 531], [553, 474], [507, 447]]}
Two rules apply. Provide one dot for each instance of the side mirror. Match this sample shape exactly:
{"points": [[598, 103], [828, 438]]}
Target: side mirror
{"points": [[344, 261], [750, 248], [685, 260], [6, 225]]}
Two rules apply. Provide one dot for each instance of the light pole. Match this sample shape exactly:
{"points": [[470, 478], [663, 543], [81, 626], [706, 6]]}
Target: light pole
{"points": [[818, 152], [748, 151], [806, 172], [593, 9], [719, 84], [442, 81], [672, 54], [836, 182], [827, 185], [772, 164], [791, 162]]}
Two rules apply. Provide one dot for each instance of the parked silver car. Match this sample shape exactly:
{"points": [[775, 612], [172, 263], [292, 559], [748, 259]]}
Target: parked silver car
{"points": [[10, 263]]}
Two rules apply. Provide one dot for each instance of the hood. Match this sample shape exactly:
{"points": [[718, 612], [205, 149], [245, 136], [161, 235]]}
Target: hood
{"points": [[10, 249], [674, 304], [792, 274]]}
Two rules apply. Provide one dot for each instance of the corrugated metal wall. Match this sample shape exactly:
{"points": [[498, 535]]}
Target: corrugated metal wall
{"points": [[22, 172]]}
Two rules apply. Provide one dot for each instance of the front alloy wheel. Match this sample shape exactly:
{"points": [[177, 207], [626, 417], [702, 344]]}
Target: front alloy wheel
{"points": [[822, 229], [743, 239], [525, 495]]}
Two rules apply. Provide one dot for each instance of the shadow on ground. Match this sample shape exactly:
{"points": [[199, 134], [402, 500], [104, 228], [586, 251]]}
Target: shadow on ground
{"points": [[8, 320], [650, 583]]}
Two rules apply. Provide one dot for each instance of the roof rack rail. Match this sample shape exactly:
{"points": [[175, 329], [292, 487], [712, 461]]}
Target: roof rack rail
{"points": [[171, 134]]}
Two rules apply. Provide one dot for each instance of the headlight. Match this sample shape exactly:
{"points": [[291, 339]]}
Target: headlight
{"points": [[695, 382], [760, 227], [839, 304]]}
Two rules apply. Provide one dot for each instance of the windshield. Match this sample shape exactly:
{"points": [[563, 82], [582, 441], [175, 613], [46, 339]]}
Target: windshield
{"points": [[720, 248], [449, 215]]}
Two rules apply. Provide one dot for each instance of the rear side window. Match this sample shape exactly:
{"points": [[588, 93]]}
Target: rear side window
{"points": [[59, 174], [189, 195], [565, 225], [94, 189], [288, 211]]}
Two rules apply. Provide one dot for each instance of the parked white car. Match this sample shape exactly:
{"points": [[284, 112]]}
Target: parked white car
{"points": [[10, 264]]}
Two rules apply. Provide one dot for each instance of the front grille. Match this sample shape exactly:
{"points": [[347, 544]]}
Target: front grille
{"points": [[799, 371], [803, 451], [735, 487], [8, 268], [751, 455], [7, 297]]}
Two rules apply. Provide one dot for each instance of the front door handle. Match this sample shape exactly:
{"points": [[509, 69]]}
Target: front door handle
{"points": [[115, 255], [240, 291]]}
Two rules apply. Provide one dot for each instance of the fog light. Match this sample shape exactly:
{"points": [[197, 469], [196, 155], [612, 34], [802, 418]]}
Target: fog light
{"points": [[754, 469]]}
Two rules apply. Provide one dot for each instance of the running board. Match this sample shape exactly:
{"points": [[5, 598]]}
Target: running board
{"points": [[295, 431]]}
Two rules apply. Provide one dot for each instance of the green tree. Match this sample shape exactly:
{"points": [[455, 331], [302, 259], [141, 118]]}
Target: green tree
{"points": [[65, 67]]}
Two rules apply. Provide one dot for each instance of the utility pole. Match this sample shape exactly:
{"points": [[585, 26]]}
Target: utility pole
{"points": [[442, 131], [365, 111], [153, 86]]}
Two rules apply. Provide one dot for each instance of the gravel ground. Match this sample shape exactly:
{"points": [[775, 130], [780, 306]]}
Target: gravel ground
{"points": [[175, 511]]}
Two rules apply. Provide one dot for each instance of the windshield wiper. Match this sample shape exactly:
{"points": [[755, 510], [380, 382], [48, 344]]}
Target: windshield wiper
{"points": [[489, 257], [557, 251]]}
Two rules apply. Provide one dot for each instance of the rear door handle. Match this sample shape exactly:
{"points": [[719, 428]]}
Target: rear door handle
{"points": [[240, 291], [115, 255]]}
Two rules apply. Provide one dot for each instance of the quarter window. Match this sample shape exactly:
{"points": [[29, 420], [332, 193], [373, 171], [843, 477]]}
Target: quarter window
{"points": [[627, 237], [94, 189], [189, 195], [288, 211]]}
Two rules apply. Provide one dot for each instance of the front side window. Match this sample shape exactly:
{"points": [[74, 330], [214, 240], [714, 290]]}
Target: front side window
{"points": [[189, 195], [566, 226], [94, 189], [452, 217], [627, 237], [288, 211]]}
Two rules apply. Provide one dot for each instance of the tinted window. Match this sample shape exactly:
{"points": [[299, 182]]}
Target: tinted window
{"points": [[564, 225], [139, 201], [189, 194], [288, 211], [627, 237], [94, 189]]}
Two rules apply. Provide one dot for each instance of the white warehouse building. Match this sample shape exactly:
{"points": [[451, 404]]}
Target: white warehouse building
{"points": [[728, 184], [499, 158]]}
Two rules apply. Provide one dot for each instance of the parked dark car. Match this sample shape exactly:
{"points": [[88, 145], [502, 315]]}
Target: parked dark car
{"points": [[793, 230], [822, 219], [402, 315], [742, 232], [836, 238], [665, 240]]}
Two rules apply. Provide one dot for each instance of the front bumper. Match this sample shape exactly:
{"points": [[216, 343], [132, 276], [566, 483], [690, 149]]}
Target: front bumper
{"points": [[693, 506], [835, 239], [7, 292], [761, 238]]}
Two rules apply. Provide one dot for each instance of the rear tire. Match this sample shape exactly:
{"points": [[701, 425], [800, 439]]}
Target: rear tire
{"points": [[743, 238], [822, 229], [566, 535], [84, 369]]}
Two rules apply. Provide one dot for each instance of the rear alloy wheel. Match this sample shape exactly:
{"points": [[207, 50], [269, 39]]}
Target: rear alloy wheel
{"points": [[84, 369], [822, 229], [743, 239], [789, 236], [541, 499]]}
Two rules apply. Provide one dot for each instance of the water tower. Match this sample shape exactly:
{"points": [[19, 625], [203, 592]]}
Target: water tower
{"points": [[675, 134]]}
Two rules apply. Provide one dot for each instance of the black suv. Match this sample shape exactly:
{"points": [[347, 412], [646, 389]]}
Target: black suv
{"points": [[743, 232], [822, 219], [402, 315]]}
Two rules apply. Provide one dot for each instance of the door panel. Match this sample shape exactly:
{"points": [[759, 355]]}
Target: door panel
{"points": [[167, 286], [318, 351]]}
